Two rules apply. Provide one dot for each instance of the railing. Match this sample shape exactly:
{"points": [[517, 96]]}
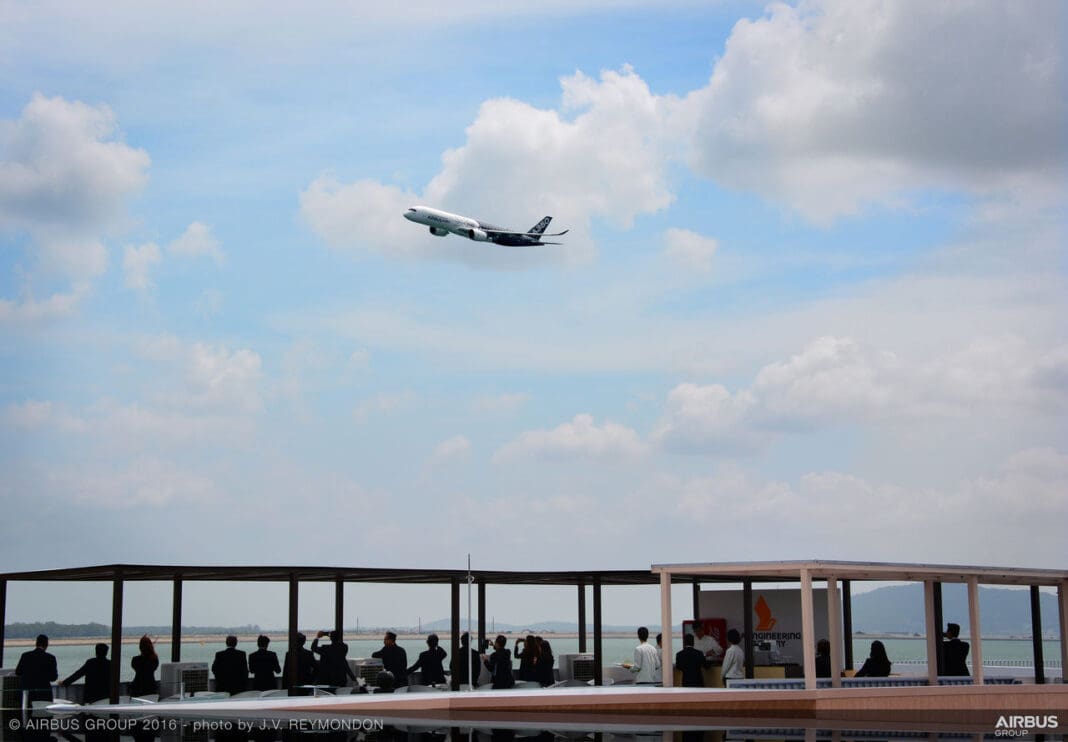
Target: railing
{"points": [[1049, 664]]}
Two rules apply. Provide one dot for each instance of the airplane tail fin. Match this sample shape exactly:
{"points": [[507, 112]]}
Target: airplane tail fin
{"points": [[541, 226]]}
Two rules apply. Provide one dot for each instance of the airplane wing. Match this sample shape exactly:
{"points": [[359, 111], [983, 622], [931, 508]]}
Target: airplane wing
{"points": [[524, 234]]}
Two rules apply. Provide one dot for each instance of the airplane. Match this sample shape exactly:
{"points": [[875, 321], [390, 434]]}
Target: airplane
{"points": [[442, 223]]}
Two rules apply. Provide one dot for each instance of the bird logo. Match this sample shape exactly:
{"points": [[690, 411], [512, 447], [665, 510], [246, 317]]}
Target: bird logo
{"points": [[767, 621]]}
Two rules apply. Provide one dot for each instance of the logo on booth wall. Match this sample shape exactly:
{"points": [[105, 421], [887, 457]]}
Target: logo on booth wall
{"points": [[767, 621]]}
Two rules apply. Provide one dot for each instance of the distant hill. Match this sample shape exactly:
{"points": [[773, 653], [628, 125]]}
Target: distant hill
{"points": [[899, 609], [55, 630]]}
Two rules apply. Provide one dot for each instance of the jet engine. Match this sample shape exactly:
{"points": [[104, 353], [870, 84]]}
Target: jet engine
{"points": [[438, 232], [477, 235]]}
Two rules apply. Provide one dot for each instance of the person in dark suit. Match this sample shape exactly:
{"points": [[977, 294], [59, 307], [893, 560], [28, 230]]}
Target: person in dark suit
{"points": [[97, 674], [823, 658], [466, 658], [307, 666], [263, 664], [431, 662], [333, 665], [230, 669], [394, 659], [527, 656], [500, 664], [543, 671], [877, 665], [37, 671], [954, 652], [689, 662], [144, 666]]}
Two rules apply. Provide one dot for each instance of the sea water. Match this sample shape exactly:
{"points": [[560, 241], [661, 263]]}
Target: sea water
{"points": [[909, 654]]}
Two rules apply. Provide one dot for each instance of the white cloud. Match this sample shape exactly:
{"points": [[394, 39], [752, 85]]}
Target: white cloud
{"points": [[30, 309], [689, 249], [34, 415], [830, 106], [456, 447], [64, 178], [144, 482], [220, 378], [138, 264], [519, 163], [838, 380], [63, 168], [581, 438], [196, 241]]}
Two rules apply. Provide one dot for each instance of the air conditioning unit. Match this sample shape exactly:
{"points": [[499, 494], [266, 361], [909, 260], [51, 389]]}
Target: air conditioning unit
{"points": [[10, 691], [182, 678], [579, 667], [366, 669]]}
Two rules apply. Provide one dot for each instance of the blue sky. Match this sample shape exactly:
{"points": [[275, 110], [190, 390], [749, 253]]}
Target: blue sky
{"points": [[810, 306]]}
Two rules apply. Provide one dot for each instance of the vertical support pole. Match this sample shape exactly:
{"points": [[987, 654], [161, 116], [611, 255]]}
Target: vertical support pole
{"points": [[3, 617], [834, 628], [598, 649], [454, 625], [747, 625], [696, 599], [976, 630], [1062, 608], [339, 605], [1036, 635], [808, 622], [176, 620], [934, 631], [667, 671], [847, 622], [582, 616], [294, 603], [940, 621], [481, 613], [116, 633]]}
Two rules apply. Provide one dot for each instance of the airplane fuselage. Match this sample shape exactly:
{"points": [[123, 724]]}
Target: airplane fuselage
{"points": [[442, 223]]}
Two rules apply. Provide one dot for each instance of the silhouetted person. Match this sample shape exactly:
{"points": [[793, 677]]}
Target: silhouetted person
{"points": [[97, 674], [877, 665], [394, 659], [431, 662], [230, 669], [500, 664], [144, 666], [263, 664], [954, 652], [690, 661], [544, 669], [37, 671], [385, 682], [307, 666], [527, 654], [333, 665], [466, 658], [823, 659]]}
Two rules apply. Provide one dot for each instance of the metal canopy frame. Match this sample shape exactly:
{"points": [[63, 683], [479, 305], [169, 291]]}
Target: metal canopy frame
{"points": [[832, 572]]}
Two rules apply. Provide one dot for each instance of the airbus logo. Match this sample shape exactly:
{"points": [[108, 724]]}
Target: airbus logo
{"points": [[1018, 725]]}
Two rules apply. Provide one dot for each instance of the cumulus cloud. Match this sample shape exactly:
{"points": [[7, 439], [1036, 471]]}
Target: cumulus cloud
{"points": [[578, 439], [138, 264], [65, 175], [689, 249], [837, 380], [196, 241], [146, 482], [830, 106], [518, 163]]}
